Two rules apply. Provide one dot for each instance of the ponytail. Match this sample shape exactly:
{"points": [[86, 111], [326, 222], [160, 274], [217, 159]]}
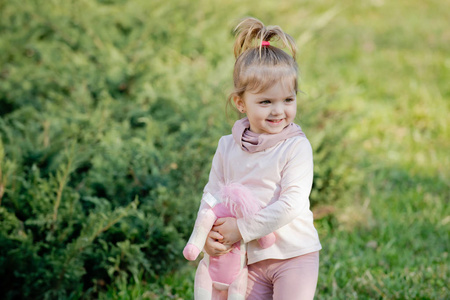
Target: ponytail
{"points": [[251, 32]]}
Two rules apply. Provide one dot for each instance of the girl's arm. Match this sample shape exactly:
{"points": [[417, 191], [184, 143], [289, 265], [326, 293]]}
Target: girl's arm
{"points": [[216, 174], [296, 182], [216, 177]]}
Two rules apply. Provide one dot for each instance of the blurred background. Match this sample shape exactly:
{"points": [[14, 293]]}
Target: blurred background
{"points": [[111, 110]]}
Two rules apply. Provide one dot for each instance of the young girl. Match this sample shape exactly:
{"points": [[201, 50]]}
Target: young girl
{"points": [[271, 156]]}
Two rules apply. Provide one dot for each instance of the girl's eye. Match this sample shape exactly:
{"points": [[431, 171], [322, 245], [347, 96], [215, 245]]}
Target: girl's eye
{"points": [[289, 100], [265, 102]]}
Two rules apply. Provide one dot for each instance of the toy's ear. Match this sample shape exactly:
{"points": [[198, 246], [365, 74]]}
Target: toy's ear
{"points": [[267, 241]]}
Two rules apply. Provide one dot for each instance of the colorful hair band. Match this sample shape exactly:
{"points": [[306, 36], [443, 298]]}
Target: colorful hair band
{"points": [[265, 43]]}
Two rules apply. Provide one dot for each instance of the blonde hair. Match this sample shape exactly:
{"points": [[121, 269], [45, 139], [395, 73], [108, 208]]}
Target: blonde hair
{"points": [[258, 67]]}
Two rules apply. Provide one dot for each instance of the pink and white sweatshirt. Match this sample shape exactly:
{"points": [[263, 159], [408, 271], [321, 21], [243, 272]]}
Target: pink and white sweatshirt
{"points": [[280, 178]]}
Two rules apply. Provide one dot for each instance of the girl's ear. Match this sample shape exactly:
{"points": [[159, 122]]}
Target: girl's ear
{"points": [[240, 104]]}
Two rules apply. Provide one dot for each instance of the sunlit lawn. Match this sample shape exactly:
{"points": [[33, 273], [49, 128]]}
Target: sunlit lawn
{"points": [[376, 73]]}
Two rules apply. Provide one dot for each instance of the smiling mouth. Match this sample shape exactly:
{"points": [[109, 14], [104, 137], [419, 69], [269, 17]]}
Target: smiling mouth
{"points": [[277, 121]]}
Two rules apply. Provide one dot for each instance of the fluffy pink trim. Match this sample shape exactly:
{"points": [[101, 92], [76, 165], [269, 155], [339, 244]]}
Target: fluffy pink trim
{"points": [[239, 200]]}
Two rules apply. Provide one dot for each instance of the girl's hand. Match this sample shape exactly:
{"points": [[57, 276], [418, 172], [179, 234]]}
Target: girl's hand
{"points": [[215, 248], [229, 230]]}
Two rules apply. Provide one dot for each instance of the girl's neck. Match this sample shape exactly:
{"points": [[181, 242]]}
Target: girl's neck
{"points": [[250, 141]]}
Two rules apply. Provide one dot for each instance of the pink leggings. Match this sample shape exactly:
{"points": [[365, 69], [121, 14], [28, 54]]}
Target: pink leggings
{"points": [[294, 278]]}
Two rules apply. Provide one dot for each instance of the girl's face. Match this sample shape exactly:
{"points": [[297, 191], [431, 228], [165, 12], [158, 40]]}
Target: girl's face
{"points": [[269, 111]]}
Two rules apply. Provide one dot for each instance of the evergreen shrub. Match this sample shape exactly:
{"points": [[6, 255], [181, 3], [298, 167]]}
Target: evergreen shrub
{"points": [[109, 117]]}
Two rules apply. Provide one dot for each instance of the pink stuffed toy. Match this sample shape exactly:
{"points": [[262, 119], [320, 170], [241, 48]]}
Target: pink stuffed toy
{"points": [[227, 272]]}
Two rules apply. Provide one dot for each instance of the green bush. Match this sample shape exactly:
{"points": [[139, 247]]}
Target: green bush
{"points": [[110, 114]]}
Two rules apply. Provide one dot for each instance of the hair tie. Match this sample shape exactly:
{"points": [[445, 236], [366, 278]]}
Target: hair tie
{"points": [[265, 43]]}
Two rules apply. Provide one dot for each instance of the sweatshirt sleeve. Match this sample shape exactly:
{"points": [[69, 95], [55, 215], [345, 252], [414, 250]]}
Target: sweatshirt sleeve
{"points": [[296, 181], [216, 176]]}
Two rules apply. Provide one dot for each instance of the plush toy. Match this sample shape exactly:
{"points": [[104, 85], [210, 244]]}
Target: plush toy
{"points": [[227, 272]]}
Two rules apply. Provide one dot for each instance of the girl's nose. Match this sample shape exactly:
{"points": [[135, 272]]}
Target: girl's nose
{"points": [[277, 109]]}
